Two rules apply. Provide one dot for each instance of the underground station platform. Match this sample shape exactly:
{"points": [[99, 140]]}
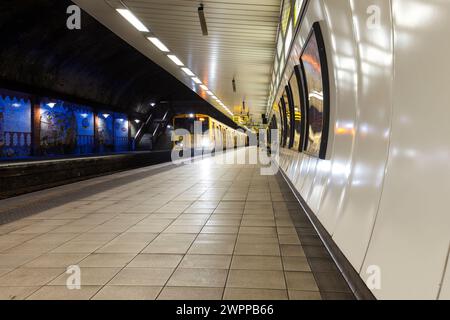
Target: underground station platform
{"points": [[224, 158], [194, 231]]}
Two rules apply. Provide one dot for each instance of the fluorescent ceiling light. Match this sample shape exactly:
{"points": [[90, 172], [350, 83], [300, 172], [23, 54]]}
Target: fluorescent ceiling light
{"points": [[175, 60], [210, 93], [204, 87], [158, 44], [196, 80], [188, 72], [51, 104], [131, 18]]}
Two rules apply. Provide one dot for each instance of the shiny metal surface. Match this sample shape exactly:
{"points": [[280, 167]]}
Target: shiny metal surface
{"points": [[382, 192]]}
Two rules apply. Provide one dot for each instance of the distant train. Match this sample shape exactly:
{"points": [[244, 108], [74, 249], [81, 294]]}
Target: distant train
{"points": [[206, 133]]}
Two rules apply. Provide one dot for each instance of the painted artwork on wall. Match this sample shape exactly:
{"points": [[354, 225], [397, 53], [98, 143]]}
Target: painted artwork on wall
{"points": [[316, 87], [105, 132], [61, 128], [85, 130], [2, 130], [121, 132], [15, 127], [58, 129]]}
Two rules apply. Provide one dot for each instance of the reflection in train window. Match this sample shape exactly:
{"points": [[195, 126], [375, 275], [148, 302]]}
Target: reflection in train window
{"points": [[289, 118], [316, 74], [280, 123], [285, 123], [298, 110]]}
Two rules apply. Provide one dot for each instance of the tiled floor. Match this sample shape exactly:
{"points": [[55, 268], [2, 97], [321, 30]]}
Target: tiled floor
{"points": [[198, 231]]}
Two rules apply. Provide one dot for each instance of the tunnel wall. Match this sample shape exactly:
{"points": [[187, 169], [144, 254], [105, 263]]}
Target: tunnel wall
{"points": [[381, 192]]}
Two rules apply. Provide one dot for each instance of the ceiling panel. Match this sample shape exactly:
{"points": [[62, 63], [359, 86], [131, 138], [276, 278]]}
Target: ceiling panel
{"points": [[240, 43]]}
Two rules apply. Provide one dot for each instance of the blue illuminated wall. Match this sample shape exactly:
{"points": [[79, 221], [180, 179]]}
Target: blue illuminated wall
{"points": [[60, 128], [15, 127], [121, 132], [85, 130], [105, 132]]}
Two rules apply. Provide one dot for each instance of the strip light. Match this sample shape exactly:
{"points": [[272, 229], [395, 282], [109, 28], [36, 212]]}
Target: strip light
{"points": [[158, 44], [131, 18], [196, 80], [175, 60], [188, 72]]}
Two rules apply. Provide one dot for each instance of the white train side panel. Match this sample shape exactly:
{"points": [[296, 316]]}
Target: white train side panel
{"points": [[382, 193]]}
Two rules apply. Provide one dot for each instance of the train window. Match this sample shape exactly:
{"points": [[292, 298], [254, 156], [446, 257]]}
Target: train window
{"points": [[292, 112], [314, 64], [298, 109], [184, 123], [205, 123], [286, 120], [273, 126], [283, 125], [276, 110], [287, 98]]}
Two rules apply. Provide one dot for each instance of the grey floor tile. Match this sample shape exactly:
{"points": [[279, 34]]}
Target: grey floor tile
{"points": [[256, 279], [127, 293], [198, 278], [190, 293]]}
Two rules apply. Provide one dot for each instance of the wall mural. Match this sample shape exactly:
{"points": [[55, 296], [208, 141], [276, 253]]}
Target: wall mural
{"points": [[62, 128], [58, 126], [105, 132], [120, 132], [15, 127], [85, 130]]}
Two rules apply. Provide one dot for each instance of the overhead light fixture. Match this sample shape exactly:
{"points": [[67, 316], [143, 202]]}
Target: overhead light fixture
{"points": [[191, 115], [210, 93], [16, 105], [158, 44], [197, 80], [106, 115], [137, 121], [204, 87], [201, 16], [131, 18], [51, 105], [188, 72], [175, 60], [84, 115]]}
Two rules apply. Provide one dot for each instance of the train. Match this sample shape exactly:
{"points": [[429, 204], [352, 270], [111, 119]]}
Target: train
{"points": [[202, 132]]}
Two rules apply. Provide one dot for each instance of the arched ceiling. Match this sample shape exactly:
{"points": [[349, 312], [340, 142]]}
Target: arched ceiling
{"points": [[240, 43], [38, 52]]}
